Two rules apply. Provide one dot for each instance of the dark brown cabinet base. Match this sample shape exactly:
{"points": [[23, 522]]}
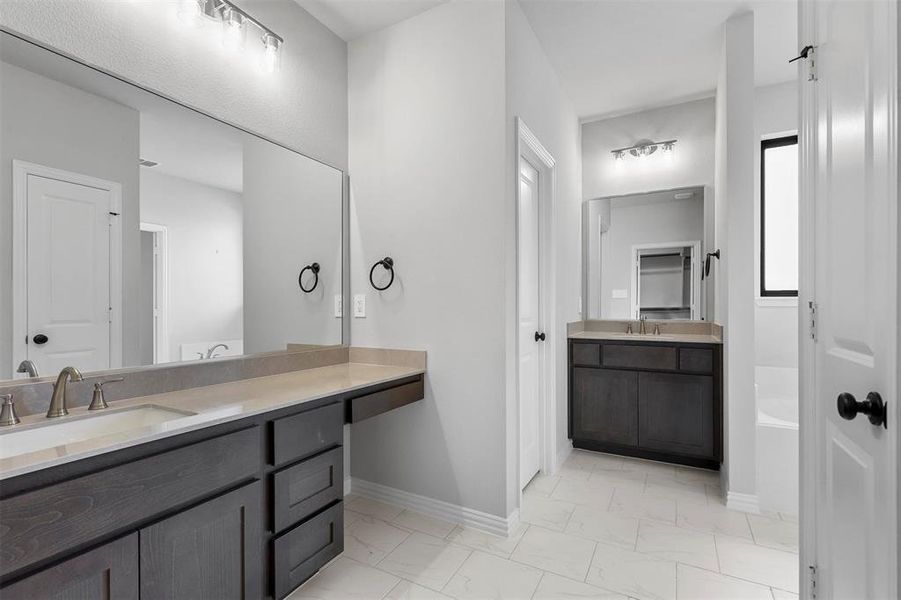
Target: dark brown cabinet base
{"points": [[655, 400]]}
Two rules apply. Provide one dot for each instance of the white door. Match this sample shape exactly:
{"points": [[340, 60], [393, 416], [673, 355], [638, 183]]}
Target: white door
{"points": [[68, 275], [853, 114], [530, 332]]}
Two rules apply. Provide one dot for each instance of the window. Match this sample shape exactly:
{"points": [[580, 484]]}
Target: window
{"points": [[779, 216]]}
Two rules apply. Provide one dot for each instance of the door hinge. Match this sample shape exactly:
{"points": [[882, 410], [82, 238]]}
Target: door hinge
{"points": [[110, 314], [812, 580], [812, 309]]}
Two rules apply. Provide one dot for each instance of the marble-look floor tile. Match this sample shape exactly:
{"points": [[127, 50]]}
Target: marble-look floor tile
{"points": [[487, 542], [712, 519], [586, 459], [369, 540], [489, 576], [677, 544], [545, 512], [790, 517], [426, 560], [373, 508], [783, 595], [700, 584], [406, 590], [775, 533], [423, 523], [633, 480], [559, 553], [630, 503], [650, 467], [542, 484], [351, 517], [554, 587], [693, 475], [602, 526], [667, 487], [346, 579], [767, 566], [590, 492], [634, 574]]}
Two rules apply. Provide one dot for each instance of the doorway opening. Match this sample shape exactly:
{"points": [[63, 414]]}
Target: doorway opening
{"points": [[154, 294]]}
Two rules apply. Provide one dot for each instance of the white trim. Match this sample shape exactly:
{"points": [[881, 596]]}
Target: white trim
{"points": [[696, 312], [21, 171], [562, 455], [439, 509], [348, 484], [744, 502], [528, 146], [777, 301], [161, 280]]}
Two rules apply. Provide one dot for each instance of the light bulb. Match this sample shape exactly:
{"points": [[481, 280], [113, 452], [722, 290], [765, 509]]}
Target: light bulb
{"points": [[270, 53], [232, 30], [190, 11]]}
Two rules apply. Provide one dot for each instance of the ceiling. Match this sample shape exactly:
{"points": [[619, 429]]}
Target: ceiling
{"points": [[352, 18], [622, 56]]}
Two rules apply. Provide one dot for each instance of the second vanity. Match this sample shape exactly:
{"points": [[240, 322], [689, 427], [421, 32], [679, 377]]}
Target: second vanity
{"points": [[645, 395], [239, 495]]}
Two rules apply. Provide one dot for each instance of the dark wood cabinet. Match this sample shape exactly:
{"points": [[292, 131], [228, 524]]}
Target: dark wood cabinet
{"points": [[676, 413], [604, 407], [654, 400], [108, 571], [210, 551]]}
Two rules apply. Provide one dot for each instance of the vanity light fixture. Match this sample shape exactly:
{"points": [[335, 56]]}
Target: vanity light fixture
{"points": [[644, 148], [234, 23]]}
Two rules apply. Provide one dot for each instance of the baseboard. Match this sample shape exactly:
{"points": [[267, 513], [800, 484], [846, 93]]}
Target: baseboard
{"points": [[436, 508], [743, 502], [348, 485], [562, 455]]}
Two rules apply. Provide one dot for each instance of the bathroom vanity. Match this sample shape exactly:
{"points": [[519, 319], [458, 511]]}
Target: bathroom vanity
{"points": [[241, 500], [645, 395]]}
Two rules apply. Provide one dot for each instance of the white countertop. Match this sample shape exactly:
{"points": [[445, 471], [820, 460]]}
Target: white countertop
{"points": [[648, 337], [212, 404]]}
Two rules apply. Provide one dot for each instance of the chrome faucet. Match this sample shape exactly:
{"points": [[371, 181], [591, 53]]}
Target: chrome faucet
{"points": [[58, 398], [8, 415], [28, 366], [210, 351]]}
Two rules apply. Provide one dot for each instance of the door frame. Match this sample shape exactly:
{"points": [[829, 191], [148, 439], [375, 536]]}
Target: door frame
{"points": [[161, 283], [529, 147], [696, 312], [21, 170]]}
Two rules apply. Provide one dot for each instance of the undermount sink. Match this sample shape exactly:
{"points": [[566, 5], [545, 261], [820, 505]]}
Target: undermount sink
{"points": [[649, 337], [23, 439]]}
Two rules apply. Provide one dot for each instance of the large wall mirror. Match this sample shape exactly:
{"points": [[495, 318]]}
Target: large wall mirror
{"points": [[136, 231], [644, 256]]}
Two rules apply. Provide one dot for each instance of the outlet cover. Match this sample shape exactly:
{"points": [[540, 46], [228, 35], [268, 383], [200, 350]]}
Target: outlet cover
{"points": [[360, 306]]}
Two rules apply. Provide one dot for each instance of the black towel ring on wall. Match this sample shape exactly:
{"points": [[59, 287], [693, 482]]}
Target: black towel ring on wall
{"points": [[315, 269], [388, 264]]}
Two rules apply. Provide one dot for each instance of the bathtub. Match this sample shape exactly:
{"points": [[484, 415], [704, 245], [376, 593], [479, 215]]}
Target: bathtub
{"points": [[776, 390]]}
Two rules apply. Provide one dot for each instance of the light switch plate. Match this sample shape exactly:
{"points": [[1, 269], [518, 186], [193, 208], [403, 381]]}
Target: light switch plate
{"points": [[339, 306], [360, 306]]}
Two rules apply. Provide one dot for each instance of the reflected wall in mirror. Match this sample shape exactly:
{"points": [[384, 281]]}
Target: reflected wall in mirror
{"points": [[644, 255], [137, 231]]}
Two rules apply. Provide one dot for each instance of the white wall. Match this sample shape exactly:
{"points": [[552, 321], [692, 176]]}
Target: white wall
{"points": [[427, 152], [734, 306], [292, 218], [776, 319], [55, 125], [204, 241], [303, 105], [634, 222], [535, 94], [691, 123]]}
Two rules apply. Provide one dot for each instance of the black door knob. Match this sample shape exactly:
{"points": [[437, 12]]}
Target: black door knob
{"points": [[540, 337], [40, 339], [873, 407]]}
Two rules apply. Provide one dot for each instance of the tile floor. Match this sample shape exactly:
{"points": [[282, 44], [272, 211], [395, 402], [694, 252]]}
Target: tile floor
{"points": [[604, 528]]}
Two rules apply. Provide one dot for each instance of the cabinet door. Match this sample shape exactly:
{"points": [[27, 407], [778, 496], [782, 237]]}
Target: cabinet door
{"points": [[110, 571], [605, 406], [212, 551], [676, 413]]}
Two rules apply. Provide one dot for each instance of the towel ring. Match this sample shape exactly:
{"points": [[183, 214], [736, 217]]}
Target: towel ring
{"points": [[388, 264], [315, 269]]}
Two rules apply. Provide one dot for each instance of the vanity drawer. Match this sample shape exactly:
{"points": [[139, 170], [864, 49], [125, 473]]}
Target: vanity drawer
{"points": [[52, 520], [370, 405], [299, 553], [586, 355], [304, 488], [640, 357], [307, 433], [697, 360]]}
